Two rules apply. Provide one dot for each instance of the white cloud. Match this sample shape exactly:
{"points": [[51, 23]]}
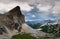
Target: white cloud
{"points": [[55, 13], [29, 1], [9, 6], [44, 8], [42, 5], [33, 16], [25, 7], [57, 6], [56, 9]]}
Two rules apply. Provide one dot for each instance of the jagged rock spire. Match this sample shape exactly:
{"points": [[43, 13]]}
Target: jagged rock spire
{"points": [[15, 11], [17, 8]]}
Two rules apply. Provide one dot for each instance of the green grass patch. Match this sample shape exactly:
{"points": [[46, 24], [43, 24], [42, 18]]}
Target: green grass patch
{"points": [[23, 36]]}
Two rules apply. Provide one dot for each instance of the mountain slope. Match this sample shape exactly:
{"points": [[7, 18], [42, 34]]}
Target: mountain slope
{"points": [[34, 32]]}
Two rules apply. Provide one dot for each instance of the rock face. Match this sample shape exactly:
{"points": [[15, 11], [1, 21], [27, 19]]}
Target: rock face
{"points": [[11, 22]]}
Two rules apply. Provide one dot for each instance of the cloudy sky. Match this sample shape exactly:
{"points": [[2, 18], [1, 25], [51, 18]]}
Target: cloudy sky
{"points": [[34, 9]]}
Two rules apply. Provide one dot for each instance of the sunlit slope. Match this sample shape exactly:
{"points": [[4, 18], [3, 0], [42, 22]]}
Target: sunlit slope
{"points": [[28, 29]]}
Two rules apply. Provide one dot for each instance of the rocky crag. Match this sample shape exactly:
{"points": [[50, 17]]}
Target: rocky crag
{"points": [[13, 22]]}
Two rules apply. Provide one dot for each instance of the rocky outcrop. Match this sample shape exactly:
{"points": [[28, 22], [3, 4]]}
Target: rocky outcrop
{"points": [[13, 22], [16, 12]]}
